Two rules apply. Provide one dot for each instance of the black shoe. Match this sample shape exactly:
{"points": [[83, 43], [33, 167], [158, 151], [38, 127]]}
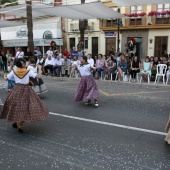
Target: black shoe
{"points": [[88, 102], [20, 130], [14, 125], [96, 103]]}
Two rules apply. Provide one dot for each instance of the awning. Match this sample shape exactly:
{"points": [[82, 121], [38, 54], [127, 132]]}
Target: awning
{"points": [[4, 23], [122, 3], [80, 11]]}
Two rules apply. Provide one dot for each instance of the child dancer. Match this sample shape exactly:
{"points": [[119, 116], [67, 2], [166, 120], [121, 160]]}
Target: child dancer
{"points": [[37, 83], [87, 89]]}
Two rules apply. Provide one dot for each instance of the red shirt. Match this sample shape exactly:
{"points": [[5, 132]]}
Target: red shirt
{"points": [[66, 53]]}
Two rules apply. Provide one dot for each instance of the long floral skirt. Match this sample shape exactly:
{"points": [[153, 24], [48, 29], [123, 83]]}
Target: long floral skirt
{"points": [[22, 104], [38, 85], [87, 89]]}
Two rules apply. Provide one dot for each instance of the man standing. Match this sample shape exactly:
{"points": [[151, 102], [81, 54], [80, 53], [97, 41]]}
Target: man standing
{"points": [[19, 54], [28, 54], [80, 54], [74, 53], [57, 63]]}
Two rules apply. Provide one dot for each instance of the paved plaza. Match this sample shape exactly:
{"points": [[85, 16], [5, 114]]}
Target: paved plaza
{"points": [[126, 131]]}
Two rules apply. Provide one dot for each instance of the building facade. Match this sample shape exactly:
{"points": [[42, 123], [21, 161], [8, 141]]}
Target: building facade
{"points": [[149, 25]]}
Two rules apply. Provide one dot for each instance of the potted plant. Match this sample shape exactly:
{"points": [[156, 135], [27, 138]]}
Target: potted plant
{"points": [[141, 14]]}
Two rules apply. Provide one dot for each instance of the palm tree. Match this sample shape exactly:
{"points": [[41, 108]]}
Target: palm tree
{"points": [[30, 25], [82, 26]]}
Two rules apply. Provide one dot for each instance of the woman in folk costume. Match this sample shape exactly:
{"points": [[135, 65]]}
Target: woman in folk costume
{"points": [[22, 105], [87, 89], [37, 83]]}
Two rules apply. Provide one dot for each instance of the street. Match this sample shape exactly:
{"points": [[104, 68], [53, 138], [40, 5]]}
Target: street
{"points": [[126, 131]]}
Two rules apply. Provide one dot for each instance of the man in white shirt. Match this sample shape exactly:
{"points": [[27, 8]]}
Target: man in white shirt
{"points": [[48, 65], [66, 65], [90, 60], [49, 52], [57, 64], [19, 54]]}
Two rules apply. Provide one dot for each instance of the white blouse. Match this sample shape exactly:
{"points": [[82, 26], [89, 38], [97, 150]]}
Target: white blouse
{"points": [[34, 69], [85, 70], [24, 80]]}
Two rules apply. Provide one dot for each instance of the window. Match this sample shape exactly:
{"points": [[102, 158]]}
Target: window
{"points": [[136, 9], [163, 19], [136, 20]]}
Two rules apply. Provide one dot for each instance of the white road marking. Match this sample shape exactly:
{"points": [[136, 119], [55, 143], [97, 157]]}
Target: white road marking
{"points": [[110, 124]]}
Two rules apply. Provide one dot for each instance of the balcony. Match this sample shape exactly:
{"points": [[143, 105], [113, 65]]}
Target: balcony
{"points": [[162, 20], [135, 21]]}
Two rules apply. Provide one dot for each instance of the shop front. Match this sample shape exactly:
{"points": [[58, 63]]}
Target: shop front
{"points": [[44, 31]]}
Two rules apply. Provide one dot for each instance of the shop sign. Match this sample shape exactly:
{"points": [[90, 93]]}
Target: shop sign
{"points": [[110, 34], [24, 43], [21, 32]]}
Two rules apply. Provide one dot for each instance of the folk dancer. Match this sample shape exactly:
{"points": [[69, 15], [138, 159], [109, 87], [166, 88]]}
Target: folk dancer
{"points": [[22, 105], [87, 89], [37, 84]]}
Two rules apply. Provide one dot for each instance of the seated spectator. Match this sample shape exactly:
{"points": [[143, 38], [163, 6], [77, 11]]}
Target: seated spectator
{"points": [[135, 67], [66, 66], [146, 69], [48, 65], [28, 55], [57, 64], [100, 65], [122, 66], [151, 60], [66, 53], [110, 67], [154, 67], [90, 60], [74, 65], [164, 61]]}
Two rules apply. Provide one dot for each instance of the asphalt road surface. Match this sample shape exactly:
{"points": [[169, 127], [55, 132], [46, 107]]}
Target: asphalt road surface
{"points": [[126, 131]]}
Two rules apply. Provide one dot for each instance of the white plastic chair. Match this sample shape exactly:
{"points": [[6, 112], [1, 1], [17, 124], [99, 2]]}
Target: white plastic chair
{"points": [[148, 79], [161, 71]]}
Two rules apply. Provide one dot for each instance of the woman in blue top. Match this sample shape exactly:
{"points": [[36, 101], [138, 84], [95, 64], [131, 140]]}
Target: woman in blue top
{"points": [[122, 67]]}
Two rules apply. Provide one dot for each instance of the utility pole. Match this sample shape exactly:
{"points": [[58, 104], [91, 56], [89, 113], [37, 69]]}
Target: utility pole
{"points": [[30, 25]]}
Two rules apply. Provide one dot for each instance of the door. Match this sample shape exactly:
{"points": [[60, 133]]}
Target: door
{"points": [[72, 42], [110, 43], [161, 44], [94, 46], [139, 50]]}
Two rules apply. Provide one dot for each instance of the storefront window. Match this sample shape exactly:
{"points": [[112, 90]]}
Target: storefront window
{"points": [[161, 44]]}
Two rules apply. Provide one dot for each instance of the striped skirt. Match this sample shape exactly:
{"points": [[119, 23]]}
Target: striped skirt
{"points": [[87, 89], [22, 104]]}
